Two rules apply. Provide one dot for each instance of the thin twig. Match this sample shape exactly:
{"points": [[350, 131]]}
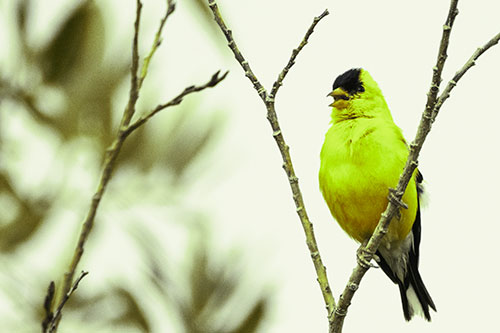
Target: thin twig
{"points": [[27, 99], [214, 80], [52, 325], [458, 75], [156, 43], [397, 194], [268, 100], [279, 82]]}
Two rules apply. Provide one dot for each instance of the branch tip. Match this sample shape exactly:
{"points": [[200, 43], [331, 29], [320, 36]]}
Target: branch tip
{"points": [[325, 12], [51, 325], [216, 79]]}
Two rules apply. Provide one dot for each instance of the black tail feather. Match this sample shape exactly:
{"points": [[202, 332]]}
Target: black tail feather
{"points": [[403, 285], [422, 294], [412, 279], [404, 301], [413, 274]]}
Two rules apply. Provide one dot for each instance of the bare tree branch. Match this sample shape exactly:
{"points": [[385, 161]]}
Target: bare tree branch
{"points": [[268, 100]]}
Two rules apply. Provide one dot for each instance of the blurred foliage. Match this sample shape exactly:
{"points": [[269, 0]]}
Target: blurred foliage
{"points": [[212, 287], [72, 64], [73, 61], [77, 45], [28, 218], [116, 307]]}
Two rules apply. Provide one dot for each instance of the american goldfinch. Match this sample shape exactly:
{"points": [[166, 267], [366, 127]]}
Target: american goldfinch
{"points": [[362, 157]]}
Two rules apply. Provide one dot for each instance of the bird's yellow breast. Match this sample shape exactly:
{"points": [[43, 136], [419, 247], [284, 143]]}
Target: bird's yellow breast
{"points": [[360, 159]]}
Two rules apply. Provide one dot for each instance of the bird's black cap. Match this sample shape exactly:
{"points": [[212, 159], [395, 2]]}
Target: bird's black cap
{"points": [[349, 81]]}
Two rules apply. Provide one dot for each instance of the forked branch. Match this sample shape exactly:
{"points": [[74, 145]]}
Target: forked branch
{"points": [[268, 100]]}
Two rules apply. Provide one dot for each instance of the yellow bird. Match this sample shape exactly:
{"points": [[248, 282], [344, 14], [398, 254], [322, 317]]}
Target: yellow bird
{"points": [[362, 157]]}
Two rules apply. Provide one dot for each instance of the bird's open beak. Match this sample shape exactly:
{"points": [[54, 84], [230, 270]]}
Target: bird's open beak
{"points": [[339, 96]]}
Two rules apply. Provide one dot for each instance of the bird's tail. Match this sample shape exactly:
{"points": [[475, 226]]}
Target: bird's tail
{"points": [[414, 296]]}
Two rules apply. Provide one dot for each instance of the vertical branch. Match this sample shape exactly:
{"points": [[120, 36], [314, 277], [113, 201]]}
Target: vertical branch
{"points": [[272, 117]]}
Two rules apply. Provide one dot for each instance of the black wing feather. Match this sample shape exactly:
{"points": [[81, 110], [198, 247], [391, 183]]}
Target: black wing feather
{"points": [[412, 276]]}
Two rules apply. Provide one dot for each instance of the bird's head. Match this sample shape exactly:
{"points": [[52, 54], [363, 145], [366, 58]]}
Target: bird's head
{"points": [[356, 94]]}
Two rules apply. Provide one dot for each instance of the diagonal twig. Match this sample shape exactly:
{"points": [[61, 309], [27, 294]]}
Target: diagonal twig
{"points": [[268, 100], [214, 80], [279, 81], [156, 43], [458, 75]]}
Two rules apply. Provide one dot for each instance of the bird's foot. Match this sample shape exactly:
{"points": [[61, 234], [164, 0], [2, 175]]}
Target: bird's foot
{"points": [[362, 255], [396, 198]]}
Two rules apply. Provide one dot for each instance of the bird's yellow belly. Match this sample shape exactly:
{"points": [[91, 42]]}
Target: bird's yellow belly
{"points": [[358, 204], [356, 188]]}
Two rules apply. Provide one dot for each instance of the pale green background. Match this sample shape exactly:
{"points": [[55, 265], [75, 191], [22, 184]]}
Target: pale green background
{"points": [[245, 190]]}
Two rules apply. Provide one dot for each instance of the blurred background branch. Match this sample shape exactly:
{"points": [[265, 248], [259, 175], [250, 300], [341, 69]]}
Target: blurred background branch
{"points": [[60, 101]]}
